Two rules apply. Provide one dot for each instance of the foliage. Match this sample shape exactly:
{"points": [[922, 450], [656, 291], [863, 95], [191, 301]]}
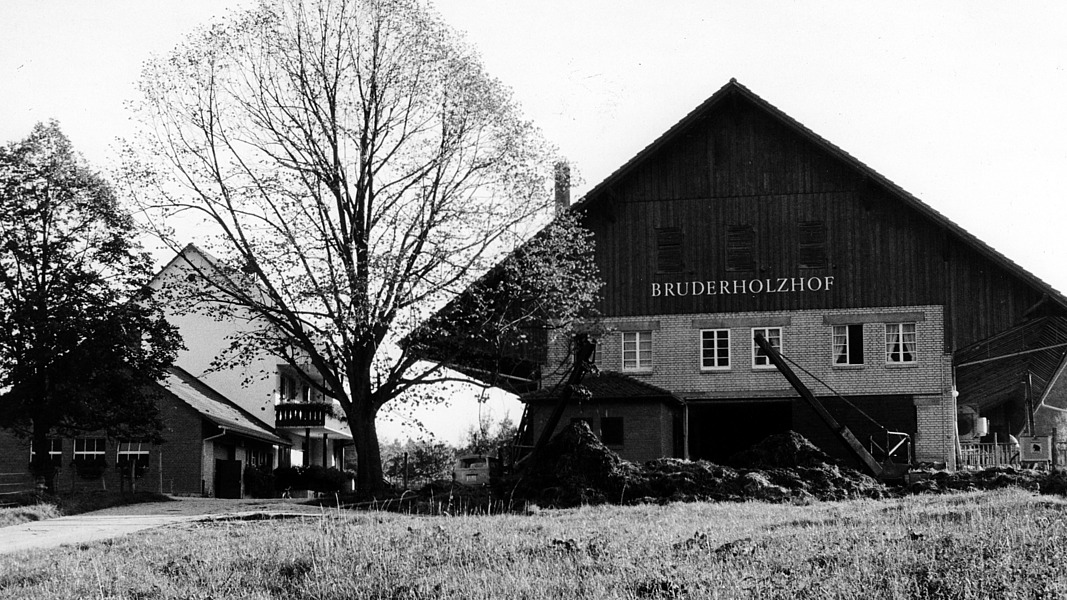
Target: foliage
{"points": [[419, 461], [81, 340], [352, 167], [259, 481], [90, 468], [488, 437], [314, 477]]}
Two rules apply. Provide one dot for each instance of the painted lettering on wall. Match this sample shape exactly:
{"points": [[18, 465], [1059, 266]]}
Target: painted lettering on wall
{"points": [[723, 287]]}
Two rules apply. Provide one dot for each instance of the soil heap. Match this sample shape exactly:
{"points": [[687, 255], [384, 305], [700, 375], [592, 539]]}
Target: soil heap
{"points": [[575, 468]]}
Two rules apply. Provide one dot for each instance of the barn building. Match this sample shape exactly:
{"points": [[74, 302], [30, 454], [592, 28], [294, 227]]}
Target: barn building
{"points": [[740, 220]]}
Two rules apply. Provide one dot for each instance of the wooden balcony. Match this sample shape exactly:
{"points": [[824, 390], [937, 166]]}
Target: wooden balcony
{"points": [[302, 414]]}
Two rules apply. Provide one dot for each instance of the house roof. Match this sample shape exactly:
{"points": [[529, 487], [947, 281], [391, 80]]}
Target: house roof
{"points": [[733, 89], [217, 408], [609, 385]]}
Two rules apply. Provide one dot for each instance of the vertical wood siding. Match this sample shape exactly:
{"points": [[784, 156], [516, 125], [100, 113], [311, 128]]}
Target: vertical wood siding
{"points": [[739, 166]]}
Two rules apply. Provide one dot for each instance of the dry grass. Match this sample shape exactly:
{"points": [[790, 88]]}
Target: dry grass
{"points": [[1004, 544], [25, 514]]}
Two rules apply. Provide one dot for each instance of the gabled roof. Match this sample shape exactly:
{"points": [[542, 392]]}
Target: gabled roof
{"points": [[609, 385], [217, 408], [733, 89]]}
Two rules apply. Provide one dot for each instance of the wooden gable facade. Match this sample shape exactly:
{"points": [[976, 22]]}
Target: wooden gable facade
{"points": [[738, 168]]}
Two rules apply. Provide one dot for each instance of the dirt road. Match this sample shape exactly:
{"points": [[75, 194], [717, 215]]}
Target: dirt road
{"points": [[121, 520]]}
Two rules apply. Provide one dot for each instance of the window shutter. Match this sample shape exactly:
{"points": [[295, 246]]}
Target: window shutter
{"points": [[811, 247], [669, 249], [740, 248]]}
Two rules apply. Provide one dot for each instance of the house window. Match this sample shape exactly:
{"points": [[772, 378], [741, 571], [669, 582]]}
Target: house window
{"points": [[55, 452], [669, 249], [811, 245], [637, 351], [900, 343], [611, 431], [773, 335], [714, 349], [259, 457], [89, 449], [848, 344], [740, 248], [132, 459]]}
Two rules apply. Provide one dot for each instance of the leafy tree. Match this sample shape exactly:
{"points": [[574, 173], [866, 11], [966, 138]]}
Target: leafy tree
{"points": [[80, 341], [356, 168], [488, 437], [420, 462]]}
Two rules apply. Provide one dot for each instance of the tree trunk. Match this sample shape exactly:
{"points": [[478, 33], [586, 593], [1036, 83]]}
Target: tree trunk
{"points": [[369, 478], [43, 470]]}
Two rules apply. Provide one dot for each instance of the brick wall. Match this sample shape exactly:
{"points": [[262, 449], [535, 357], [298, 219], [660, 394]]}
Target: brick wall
{"points": [[648, 427], [173, 467], [922, 388]]}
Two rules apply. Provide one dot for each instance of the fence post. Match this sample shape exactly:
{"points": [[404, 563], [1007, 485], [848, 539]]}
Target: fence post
{"points": [[1055, 447]]}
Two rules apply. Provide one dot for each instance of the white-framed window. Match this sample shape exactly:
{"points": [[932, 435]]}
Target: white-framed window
{"points": [[848, 344], [900, 343], [714, 349], [773, 335], [132, 458], [637, 351], [88, 449]]}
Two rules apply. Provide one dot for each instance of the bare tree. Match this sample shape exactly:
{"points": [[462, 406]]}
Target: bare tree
{"points": [[355, 167]]}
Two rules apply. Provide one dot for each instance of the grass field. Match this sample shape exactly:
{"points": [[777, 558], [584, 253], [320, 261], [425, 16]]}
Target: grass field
{"points": [[1003, 544]]}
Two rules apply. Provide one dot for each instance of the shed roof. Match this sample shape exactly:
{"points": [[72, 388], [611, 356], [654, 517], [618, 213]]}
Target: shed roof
{"points": [[216, 408], [997, 370], [610, 385]]}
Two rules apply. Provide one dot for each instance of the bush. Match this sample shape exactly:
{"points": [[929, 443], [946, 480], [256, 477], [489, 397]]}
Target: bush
{"points": [[315, 478], [259, 481], [90, 468]]}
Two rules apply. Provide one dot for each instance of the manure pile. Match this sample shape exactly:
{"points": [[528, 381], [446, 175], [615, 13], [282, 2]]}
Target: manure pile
{"points": [[575, 468]]}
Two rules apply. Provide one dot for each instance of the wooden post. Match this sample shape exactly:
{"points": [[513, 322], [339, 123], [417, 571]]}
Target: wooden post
{"points": [[1055, 447]]}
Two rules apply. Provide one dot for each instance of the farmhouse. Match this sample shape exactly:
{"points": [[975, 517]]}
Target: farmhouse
{"points": [[740, 221], [216, 422]]}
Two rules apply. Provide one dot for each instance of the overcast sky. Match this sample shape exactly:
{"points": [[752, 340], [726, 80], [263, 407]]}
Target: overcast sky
{"points": [[963, 104]]}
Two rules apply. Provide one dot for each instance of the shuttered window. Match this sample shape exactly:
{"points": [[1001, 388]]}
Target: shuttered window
{"points": [[669, 249], [740, 248], [811, 247]]}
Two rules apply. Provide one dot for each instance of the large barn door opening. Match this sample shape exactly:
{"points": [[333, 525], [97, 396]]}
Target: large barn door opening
{"points": [[720, 429]]}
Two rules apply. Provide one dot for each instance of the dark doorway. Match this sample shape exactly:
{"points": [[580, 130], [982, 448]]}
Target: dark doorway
{"points": [[227, 478], [719, 429]]}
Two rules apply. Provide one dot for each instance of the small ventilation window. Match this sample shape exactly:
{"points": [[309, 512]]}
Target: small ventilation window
{"points": [[811, 245], [669, 249], [740, 248]]}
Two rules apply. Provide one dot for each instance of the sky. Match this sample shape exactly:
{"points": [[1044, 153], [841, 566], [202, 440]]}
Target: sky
{"points": [[961, 103]]}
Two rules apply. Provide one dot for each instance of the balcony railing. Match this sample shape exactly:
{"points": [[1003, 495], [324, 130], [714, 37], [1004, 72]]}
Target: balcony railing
{"points": [[302, 414]]}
